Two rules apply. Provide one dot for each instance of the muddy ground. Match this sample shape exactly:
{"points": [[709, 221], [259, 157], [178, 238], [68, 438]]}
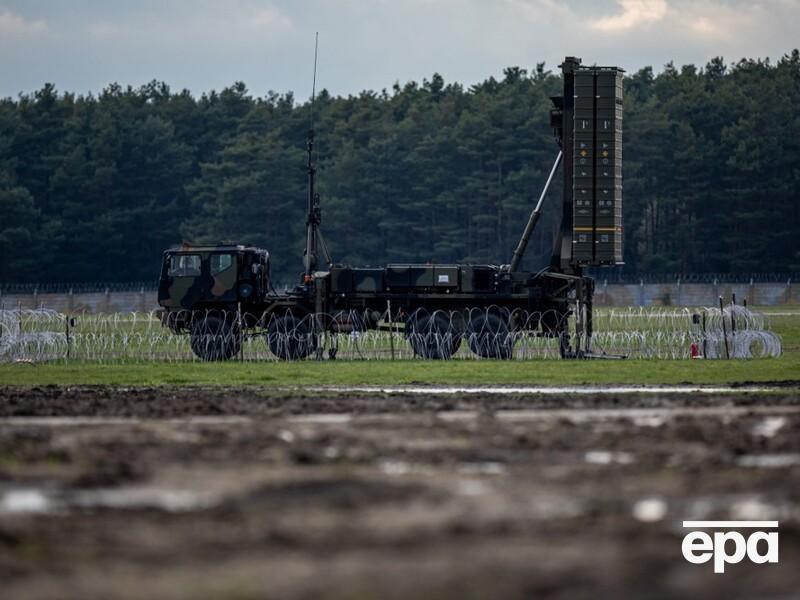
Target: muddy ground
{"points": [[223, 493]]}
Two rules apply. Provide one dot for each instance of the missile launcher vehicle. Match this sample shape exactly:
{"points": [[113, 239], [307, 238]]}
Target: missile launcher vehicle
{"points": [[219, 294]]}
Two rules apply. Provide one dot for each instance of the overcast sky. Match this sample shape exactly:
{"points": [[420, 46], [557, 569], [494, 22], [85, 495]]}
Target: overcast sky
{"points": [[82, 45]]}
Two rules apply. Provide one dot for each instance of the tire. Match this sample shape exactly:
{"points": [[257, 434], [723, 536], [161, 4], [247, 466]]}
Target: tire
{"points": [[489, 336], [290, 338], [432, 336], [212, 338]]}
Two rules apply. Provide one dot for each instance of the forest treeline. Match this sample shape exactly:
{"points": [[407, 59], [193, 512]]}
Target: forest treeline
{"points": [[93, 188]]}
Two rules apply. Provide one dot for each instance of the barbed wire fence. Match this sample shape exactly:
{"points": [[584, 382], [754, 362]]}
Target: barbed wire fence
{"points": [[611, 275], [39, 335]]}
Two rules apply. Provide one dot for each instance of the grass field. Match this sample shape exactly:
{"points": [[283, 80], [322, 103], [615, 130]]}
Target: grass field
{"points": [[785, 322]]}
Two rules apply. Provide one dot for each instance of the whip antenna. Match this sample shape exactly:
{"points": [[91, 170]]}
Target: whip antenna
{"points": [[314, 78], [314, 241]]}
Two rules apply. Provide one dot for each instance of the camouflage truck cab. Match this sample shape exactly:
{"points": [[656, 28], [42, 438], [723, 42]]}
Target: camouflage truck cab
{"points": [[216, 277]]}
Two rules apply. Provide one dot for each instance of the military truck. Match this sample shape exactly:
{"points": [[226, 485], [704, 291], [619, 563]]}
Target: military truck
{"points": [[219, 294]]}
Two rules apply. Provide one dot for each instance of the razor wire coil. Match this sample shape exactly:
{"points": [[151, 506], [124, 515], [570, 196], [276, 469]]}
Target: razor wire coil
{"points": [[38, 335]]}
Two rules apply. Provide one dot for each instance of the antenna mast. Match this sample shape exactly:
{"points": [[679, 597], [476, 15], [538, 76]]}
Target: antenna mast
{"points": [[314, 83], [314, 241]]}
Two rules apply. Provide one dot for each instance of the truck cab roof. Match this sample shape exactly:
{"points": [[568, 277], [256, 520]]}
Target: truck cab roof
{"points": [[189, 248]]}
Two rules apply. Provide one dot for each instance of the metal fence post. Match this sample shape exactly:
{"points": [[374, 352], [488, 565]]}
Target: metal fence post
{"points": [[240, 331], [66, 327], [724, 328], [391, 326]]}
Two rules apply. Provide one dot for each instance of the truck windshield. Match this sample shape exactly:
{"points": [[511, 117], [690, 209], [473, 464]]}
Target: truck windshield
{"points": [[220, 263], [184, 265]]}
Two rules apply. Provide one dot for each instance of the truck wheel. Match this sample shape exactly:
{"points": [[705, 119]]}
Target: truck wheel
{"points": [[489, 336], [432, 336], [212, 337], [290, 338]]}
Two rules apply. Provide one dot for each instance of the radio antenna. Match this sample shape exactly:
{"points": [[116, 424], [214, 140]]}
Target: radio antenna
{"points": [[314, 241], [314, 79]]}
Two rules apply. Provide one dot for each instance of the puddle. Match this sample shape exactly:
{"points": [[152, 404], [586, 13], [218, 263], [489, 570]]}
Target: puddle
{"points": [[769, 461], [25, 501], [642, 417], [395, 467], [471, 487], [572, 389], [769, 426], [604, 457], [84, 421], [44, 501], [331, 452], [649, 510], [753, 509], [649, 421], [141, 497], [455, 416], [286, 436], [740, 508], [322, 418], [482, 468], [646, 417]]}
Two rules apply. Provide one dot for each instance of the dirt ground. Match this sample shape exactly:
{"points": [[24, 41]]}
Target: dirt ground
{"points": [[250, 493]]}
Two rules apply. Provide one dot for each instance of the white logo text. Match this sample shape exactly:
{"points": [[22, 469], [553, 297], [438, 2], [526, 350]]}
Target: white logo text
{"points": [[730, 547]]}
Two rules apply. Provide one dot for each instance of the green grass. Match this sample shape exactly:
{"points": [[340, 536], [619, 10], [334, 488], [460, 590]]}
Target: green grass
{"points": [[385, 372], [541, 372]]}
